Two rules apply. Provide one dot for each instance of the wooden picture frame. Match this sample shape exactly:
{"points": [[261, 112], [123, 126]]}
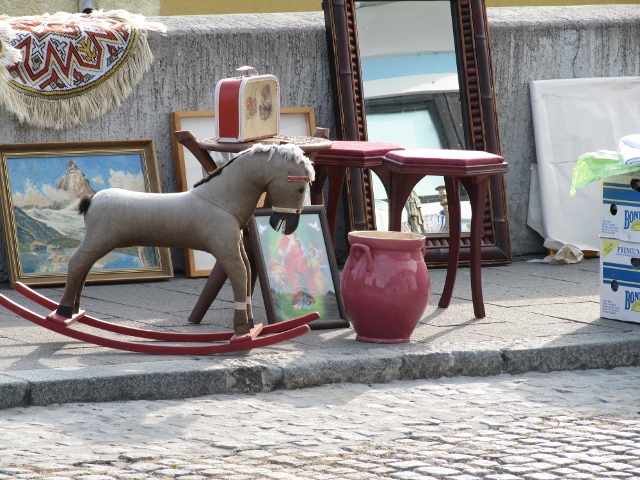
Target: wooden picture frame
{"points": [[293, 121], [40, 186], [304, 258], [479, 121]]}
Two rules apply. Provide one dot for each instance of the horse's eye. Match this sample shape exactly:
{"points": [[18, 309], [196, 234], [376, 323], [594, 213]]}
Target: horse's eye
{"points": [[301, 190]]}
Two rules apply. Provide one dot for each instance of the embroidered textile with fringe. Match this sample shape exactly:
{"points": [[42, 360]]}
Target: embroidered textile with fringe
{"points": [[64, 69]]}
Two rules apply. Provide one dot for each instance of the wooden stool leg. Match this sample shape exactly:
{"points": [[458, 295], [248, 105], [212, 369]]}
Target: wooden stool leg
{"points": [[336, 180], [396, 203], [477, 189], [400, 186], [452, 186]]}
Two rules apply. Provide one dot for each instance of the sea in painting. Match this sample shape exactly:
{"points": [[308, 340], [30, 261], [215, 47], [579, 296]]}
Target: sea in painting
{"points": [[45, 192]]}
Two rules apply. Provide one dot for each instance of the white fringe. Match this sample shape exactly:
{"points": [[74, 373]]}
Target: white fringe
{"points": [[136, 20], [65, 112], [289, 151], [8, 55]]}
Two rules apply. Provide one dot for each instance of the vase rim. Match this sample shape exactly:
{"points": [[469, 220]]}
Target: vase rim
{"points": [[384, 235], [401, 240]]}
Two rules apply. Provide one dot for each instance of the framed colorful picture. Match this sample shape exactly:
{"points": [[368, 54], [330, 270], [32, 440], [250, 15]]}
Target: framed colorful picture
{"points": [[40, 187], [298, 272], [293, 121]]}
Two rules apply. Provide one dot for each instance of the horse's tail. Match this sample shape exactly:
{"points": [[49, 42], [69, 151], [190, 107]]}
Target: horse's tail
{"points": [[84, 205]]}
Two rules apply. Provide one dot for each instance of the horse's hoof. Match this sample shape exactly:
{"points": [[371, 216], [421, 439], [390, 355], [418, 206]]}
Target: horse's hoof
{"points": [[242, 329], [62, 320]]}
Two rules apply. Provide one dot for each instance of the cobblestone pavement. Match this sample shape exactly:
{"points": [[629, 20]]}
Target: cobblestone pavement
{"points": [[583, 424]]}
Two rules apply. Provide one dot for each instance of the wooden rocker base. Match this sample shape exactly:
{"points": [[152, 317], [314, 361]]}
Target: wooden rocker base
{"points": [[264, 336], [255, 331], [60, 320]]}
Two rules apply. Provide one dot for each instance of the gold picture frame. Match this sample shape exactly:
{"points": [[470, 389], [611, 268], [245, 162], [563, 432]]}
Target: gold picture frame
{"points": [[40, 186], [293, 121]]}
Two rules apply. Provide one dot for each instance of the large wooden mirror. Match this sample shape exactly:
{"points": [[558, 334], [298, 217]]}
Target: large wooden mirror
{"points": [[416, 73]]}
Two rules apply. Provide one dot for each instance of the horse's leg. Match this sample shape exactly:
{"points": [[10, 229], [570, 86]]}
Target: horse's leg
{"points": [[77, 270], [233, 265], [76, 303], [247, 267]]}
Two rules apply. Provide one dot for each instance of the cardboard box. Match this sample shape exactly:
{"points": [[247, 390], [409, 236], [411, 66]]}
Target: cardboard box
{"points": [[620, 280], [247, 108], [620, 214]]}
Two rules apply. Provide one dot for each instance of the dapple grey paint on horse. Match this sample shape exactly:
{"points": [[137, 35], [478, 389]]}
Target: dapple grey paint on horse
{"points": [[210, 217]]}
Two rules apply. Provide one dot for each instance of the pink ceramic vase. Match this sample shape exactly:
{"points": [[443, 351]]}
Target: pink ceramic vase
{"points": [[385, 285]]}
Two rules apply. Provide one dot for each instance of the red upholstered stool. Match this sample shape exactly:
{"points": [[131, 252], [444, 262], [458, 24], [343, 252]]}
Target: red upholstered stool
{"points": [[332, 164], [469, 167]]}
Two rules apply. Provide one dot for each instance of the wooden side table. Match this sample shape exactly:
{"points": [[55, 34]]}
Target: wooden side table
{"points": [[200, 149]]}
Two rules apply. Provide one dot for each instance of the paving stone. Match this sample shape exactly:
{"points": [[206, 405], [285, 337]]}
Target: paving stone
{"points": [[133, 476], [516, 459], [617, 466], [587, 467], [437, 471], [290, 461], [516, 469], [13, 471], [407, 465], [553, 459], [382, 470], [145, 467], [171, 472], [410, 476], [539, 465], [95, 477]]}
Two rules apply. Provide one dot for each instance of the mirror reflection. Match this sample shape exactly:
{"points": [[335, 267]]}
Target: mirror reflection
{"points": [[410, 87]]}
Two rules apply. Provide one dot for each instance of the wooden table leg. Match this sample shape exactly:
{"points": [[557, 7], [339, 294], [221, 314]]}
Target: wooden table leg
{"points": [[186, 138], [336, 180], [209, 293]]}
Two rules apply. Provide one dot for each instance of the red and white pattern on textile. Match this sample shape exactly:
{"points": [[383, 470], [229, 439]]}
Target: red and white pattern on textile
{"points": [[64, 57]]}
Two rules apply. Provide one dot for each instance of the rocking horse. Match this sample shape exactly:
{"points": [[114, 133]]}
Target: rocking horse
{"points": [[210, 217]]}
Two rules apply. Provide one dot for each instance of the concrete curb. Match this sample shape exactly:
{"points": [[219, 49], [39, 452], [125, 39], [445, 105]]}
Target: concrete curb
{"points": [[198, 376]]}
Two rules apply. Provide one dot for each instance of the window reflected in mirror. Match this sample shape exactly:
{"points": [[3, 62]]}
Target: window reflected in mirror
{"points": [[411, 94]]}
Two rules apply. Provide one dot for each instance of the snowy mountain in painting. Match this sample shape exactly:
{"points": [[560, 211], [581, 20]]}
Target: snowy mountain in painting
{"points": [[61, 212], [75, 182]]}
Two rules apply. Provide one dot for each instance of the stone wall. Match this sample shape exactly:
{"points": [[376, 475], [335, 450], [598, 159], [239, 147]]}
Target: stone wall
{"points": [[527, 44], [197, 52]]}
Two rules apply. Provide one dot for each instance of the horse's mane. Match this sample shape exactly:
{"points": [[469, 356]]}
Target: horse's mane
{"points": [[288, 151], [214, 173]]}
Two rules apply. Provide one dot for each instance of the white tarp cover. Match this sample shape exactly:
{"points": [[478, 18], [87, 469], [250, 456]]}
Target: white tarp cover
{"points": [[570, 118]]}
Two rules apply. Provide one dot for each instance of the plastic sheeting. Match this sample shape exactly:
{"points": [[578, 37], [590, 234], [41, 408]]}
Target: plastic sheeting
{"points": [[571, 117]]}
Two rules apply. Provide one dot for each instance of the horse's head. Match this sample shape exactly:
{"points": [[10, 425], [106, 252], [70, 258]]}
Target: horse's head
{"points": [[293, 171]]}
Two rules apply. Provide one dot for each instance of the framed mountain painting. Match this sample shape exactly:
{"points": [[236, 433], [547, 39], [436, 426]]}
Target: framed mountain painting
{"points": [[40, 188]]}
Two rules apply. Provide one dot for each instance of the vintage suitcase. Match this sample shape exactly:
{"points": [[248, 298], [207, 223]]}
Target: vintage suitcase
{"points": [[247, 107]]}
